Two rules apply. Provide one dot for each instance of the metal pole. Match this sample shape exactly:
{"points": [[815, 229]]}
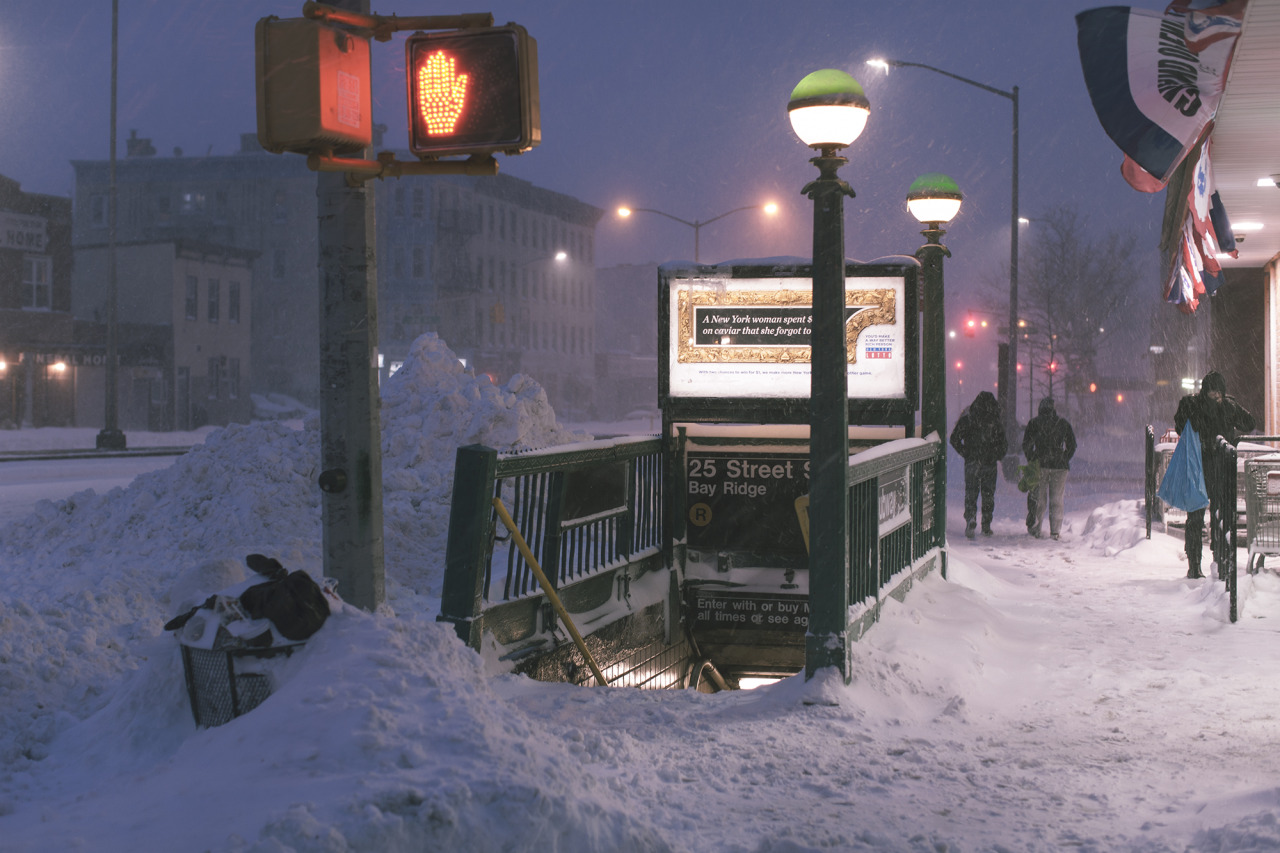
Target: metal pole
{"points": [[1011, 417], [934, 337], [110, 437], [350, 442], [827, 641]]}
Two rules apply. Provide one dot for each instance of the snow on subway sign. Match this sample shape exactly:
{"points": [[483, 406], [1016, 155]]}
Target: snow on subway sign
{"points": [[734, 336]]}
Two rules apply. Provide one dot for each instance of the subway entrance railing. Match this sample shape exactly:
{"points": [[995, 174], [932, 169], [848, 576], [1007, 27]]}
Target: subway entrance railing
{"points": [[661, 600]]}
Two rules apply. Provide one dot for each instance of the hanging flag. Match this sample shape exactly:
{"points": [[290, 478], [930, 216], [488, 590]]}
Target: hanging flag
{"points": [[1211, 24], [1222, 226], [1153, 95]]}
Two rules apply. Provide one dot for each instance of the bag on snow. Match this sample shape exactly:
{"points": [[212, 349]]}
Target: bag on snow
{"points": [[1183, 483], [294, 603]]}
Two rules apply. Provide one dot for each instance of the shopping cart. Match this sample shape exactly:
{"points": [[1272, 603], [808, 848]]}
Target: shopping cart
{"points": [[1262, 507], [1245, 451]]}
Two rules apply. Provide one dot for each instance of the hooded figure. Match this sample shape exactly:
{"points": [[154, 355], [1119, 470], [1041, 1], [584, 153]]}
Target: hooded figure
{"points": [[1211, 413], [1050, 441], [980, 440]]}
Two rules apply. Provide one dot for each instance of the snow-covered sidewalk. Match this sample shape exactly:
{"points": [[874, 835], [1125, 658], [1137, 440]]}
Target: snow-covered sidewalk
{"points": [[1076, 694]]}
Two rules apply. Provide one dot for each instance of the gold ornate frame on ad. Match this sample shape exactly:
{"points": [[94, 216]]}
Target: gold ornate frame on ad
{"points": [[878, 307]]}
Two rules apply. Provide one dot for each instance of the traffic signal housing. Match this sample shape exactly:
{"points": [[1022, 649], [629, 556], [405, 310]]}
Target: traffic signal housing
{"points": [[472, 91], [313, 87]]}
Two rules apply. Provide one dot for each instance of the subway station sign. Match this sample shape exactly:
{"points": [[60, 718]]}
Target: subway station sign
{"points": [[748, 611], [745, 501]]}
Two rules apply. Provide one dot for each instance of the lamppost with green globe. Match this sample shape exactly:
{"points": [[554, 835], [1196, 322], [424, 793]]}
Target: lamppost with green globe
{"points": [[934, 199], [828, 111]]}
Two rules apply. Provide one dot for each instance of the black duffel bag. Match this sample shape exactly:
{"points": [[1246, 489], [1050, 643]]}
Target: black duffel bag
{"points": [[293, 602]]}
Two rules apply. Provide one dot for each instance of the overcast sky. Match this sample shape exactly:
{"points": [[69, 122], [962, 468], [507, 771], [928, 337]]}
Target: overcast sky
{"points": [[678, 106]]}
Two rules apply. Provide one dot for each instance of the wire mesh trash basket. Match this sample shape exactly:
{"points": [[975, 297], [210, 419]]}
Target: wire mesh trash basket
{"points": [[1262, 508], [225, 683]]}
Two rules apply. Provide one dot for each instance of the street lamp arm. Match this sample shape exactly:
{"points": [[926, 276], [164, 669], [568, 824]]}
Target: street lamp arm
{"points": [[669, 216], [898, 63], [726, 213]]}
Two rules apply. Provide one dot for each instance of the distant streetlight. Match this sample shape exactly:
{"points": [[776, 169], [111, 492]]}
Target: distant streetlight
{"points": [[828, 111], [769, 208], [1012, 391]]}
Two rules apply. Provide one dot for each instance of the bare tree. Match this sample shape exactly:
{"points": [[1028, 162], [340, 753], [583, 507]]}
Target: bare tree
{"points": [[1073, 294]]}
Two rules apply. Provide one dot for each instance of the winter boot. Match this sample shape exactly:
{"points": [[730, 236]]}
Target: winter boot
{"points": [[969, 528], [1193, 565]]}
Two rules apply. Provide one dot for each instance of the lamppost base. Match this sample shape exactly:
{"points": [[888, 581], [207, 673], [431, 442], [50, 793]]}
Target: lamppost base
{"points": [[111, 439]]}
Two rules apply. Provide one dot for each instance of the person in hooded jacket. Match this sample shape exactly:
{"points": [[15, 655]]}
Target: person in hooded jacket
{"points": [[1050, 441], [980, 440], [1211, 413]]}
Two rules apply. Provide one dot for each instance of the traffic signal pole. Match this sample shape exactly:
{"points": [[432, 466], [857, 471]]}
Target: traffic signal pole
{"points": [[350, 440]]}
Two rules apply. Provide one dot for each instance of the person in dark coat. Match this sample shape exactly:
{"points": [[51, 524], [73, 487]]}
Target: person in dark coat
{"points": [[979, 439], [1050, 441], [1211, 413]]}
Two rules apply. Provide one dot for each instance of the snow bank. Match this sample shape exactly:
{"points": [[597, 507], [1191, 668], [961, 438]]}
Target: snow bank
{"points": [[92, 578]]}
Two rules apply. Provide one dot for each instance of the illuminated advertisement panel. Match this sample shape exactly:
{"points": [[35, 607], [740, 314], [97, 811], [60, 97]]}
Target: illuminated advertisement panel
{"points": [[748, 338]]}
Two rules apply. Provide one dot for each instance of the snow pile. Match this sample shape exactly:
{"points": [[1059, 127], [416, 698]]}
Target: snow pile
{"points": [[430, 407], [1115, 527], [91, 577]]}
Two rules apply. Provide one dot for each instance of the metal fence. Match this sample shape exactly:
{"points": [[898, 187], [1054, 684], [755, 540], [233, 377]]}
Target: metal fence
{"points": [[893, 523], [582, 511], [1220, 481]]}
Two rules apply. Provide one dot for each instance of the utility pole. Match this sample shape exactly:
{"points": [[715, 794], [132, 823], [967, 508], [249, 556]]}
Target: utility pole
{"points": [[350, 439]]}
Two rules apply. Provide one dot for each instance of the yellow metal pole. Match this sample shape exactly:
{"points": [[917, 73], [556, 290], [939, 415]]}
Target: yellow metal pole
{"points": [[546, 587]]}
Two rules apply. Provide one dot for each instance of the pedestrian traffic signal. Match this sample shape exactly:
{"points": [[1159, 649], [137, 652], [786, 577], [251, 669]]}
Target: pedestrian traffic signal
{"points": [[313, 87], [472, 91]]}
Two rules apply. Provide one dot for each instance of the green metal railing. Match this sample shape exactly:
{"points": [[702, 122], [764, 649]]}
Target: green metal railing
{"points": [[582, 511], [1220, 479], [881, 492]]}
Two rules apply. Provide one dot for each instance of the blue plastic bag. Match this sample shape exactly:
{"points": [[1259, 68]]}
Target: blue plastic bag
{"points": [[1183, 483]]}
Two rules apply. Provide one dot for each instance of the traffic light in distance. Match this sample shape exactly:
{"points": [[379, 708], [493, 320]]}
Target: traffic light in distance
{"points": [[313, 87], [970, 327], [473, 91], [1053, 367]]}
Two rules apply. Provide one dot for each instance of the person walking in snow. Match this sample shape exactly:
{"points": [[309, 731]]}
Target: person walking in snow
{"points": [[1050, 441], [980, 440], [1211, 413]]}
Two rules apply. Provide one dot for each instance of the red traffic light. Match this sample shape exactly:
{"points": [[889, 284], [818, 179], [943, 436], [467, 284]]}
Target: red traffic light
{"points": [[970, 327], [473, 91], [1053, 367]]}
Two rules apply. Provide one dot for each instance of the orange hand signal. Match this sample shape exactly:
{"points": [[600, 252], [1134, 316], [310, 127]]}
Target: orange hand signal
{"points": [[441, 95]]}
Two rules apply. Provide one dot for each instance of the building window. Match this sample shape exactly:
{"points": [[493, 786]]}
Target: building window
{"points": [[399, 197], [233, 389], [277, 264], [214, 298], [213, 377], [191, 202], [419, 202], [397, 260], [419, 262], [162, 209], [97, 211], [36, 277], [233, 302], [193, 298], [279, 207]]}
